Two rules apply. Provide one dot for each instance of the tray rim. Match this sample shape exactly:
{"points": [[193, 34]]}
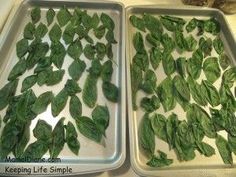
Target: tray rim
{"points": [[120, 157], [198, 172]]}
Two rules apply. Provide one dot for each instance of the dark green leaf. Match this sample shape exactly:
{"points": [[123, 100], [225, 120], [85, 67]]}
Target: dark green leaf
{"points": [[107, 21], [75, 107], [159, 161], [158, 122], [149, 82], [137, 22], [22, 47], [69, 33], [224, 150], [71, 138], [110, 91], [212, 94], [218, 45], [171, 126], [41, 30], [96, 68], [100, 31], [168, 64], [89, 51], [72, 87], [43, 131], [42, 102], [152, 40], [181, 87], [194, 64], [150, 104], [35, 150], [180, 41], [229, 76], [224, 61], [110, 37], [205, 149], [55, 77], [138, 42], [76, 69], [55, 33], [152, 23], [212, 26], [63, 16], [107, 71], [59, 102], [43, 64], [75, 49], [168, 43], [181, 66], [50, 16], [95, 20], [101, 50], [17, 70], [191, 43], [43, 76], [206, 46], [232, 143], [211, 69], [35, 14], [192, 24], [141, 60], [29, 31], [58, 53], [155, 57]]}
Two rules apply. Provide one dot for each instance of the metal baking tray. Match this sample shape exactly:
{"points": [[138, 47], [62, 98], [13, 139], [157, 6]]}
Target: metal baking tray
{"points": [[93, 157], [201, 166]]}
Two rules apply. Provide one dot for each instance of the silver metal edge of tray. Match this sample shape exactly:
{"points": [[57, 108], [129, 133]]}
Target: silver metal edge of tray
{"points": [[121, 155], [227, 171]]}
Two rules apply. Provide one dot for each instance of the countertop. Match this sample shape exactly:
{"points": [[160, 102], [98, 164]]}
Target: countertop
{"points": [[7, 9]]}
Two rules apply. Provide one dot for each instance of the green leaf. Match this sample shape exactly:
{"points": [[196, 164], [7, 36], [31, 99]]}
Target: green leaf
{"points": [[152, 40], [43, 76], [107, 71], [224, 61], [89, 129], [41, 30], [138, 42], [22, 47], [211, 69], [69, 33], [101, 50], [180, 41], [58, 53], [168, 64], [99, 31], [218, 45], [107, 21], [89, 92], [159, 161], [232, 143], [58, 139], [35, 14], [141, 59], [43, 64], [75, 107], [50, 16], [43, 131], [192, 24], [29, 31], [17, 70], [171, 126], [89, 51], [182, 87], [194, 64], [181, 66], [168, 43], [63, 16], [155, 57], [55, 77], [149, 82], [205, 149], [42, 102], [146, 135], [150, 104], [212, 26], [72, 87], [229, 76], [205, 45], [110, 37], [55, 33], [158, 122], [35, 150], [75, 49], [95, 20], [224, 149], [212, 94], [191, 43], [7, 92], [71, 138], [110, 91], [165, 93], [137, 22], [96, 68], [152, 23], [172, 23], [59, 102], [76, 69], [101, 117]]}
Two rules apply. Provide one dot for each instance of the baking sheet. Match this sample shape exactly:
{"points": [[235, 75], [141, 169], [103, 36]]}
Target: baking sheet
{"points": [[93, 157], [200, 166]]}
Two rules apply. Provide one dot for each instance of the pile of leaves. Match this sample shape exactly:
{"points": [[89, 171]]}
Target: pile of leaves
{"points": [[46, 60], [189, 82]]}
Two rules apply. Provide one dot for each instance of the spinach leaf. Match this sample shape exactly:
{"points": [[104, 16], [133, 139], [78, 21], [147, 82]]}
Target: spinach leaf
{"points": [[168, 64], [76, 69], [58, 139], [75, 107], [159, 161], [192, 24], [194, 64], [50, 16], [229, 76], [55, 33], [158, 122], [69, 33], [43, 131], [35, 150], [146, 135], [150, 104], [149, 82], [22, 47], [99, 31], [109, 51], [211, 69], [59, 102], [101, 117], [138, 42], [136, 80], [43, 64], [205, 149], [226, 96], [107, 21], [75, 49], [137, 22], [89, 92], [110, 37], [152, 23], [205, 45], [141, 59], [155, 57], [41, 103], [96, 68], [29, 31], [168, 43], [190, 43], [212, 94], [95, 20], [89, 51], [107, 71], [224, 149], [72, 87], [110, 91], [17, 70], [180, 41], [71, 138], [7, 92], [171, 126], [224, 61], [63, 16], [212, 26], [182, 87], [152, 40], [232, 143], [58, 53], [89, 129], [41, 30], [35, 14], [55, 77], [180, 64], [101, 50], [218, 45], [43, 76], [165, 93]]}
